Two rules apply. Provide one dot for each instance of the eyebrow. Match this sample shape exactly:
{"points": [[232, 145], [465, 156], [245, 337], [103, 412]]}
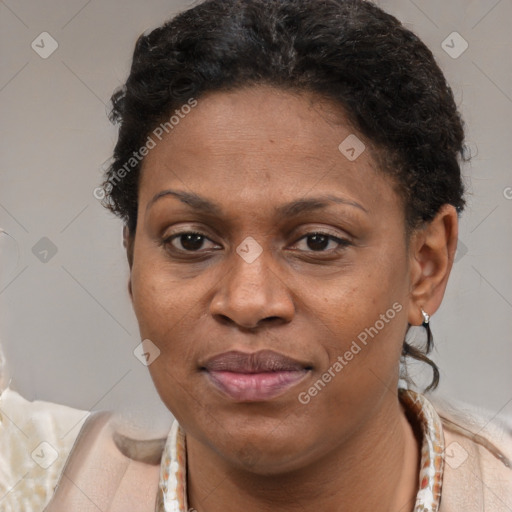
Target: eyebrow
{"points": [[291, 209]]}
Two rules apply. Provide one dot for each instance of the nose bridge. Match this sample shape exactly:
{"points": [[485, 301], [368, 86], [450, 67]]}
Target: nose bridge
{"points": [[250, 268], [251, 291]]}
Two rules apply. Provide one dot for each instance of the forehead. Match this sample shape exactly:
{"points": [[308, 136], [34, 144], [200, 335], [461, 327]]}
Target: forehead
{"points": [[261, 143]]}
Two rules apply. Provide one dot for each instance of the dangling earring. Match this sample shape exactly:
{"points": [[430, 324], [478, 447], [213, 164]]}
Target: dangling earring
{"points": [[426, 325], [426, 318]]}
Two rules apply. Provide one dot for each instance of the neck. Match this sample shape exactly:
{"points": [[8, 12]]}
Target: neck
{"points": [[375, 469]]}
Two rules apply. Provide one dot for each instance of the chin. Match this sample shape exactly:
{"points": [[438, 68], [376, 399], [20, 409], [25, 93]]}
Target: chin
{"points": [[264, 460], [264, 447]]}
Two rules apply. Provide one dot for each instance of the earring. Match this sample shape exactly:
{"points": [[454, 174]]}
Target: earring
{"points": [[426, 317]]}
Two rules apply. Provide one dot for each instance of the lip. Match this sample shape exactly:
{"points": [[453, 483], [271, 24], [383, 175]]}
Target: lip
{"points": [[254, 377]]}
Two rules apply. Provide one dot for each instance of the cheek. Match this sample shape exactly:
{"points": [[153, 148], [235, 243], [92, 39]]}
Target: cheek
{"points": [[164, 314], [358, 300], [160, 300], [362, 364], [366, 322], [168, 311], [158, 314]]}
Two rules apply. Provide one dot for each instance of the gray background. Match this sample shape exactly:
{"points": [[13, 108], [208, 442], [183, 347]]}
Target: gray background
{"points": [[66, 324]]}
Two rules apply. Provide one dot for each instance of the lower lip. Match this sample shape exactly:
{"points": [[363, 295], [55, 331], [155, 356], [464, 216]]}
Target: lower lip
{"points": [[255, 387]]}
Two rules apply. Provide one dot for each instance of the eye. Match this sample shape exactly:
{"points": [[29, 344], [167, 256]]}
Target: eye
{"points": [[186, 241], [194, 241], [319, 242]]}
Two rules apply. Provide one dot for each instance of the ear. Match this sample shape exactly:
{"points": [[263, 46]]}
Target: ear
{"points": [[432, 250], [128, 241]]}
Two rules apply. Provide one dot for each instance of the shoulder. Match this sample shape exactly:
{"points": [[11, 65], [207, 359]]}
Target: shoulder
{"points": [[35, 439], [108, 470], [478, 458]]}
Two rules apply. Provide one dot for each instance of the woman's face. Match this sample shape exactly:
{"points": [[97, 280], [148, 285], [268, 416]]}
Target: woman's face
{"points": [[257, 173]]}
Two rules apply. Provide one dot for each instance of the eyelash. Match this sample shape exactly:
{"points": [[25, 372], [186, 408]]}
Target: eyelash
{"points": [[342, 242]]}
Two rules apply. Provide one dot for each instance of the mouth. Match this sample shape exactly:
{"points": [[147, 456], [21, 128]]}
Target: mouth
{"points": [[255, 377]]}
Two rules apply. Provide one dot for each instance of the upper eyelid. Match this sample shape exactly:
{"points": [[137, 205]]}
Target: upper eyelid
{"points": [[321, 231], [308, 228]]}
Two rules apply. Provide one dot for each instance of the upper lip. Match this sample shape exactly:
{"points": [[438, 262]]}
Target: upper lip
{"points": [[256, 362]]}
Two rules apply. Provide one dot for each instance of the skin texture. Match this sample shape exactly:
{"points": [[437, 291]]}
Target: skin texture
{"points": [[250, 151]]}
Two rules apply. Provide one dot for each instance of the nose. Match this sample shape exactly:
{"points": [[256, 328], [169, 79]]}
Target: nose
{"points": [[252, 293]]}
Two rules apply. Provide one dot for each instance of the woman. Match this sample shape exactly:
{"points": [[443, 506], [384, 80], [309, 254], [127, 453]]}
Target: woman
{"points": [[288, 172]]}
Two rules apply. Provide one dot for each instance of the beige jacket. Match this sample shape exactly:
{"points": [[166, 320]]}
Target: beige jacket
{"points": [[112, 473], [35, 441]]}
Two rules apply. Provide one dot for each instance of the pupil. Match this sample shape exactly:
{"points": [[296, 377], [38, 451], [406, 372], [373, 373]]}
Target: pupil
{"points": [[319, 242], [191, 242]]}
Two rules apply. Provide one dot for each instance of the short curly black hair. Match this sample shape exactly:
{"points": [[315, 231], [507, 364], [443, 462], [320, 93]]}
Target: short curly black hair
{"points": [[349, 51]]}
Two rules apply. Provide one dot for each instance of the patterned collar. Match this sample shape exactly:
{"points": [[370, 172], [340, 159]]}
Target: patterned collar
{"points": [[173, 479]]}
